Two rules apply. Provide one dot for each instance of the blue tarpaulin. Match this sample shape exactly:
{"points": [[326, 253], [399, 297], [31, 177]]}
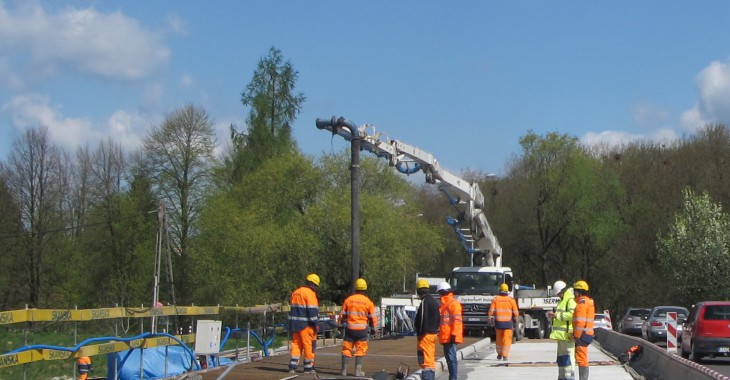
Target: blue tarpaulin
{"points": [[153, 361]]}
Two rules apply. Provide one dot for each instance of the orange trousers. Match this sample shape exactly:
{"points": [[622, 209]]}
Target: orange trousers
{"points": [[504, 342], [427, 351], [581, 355], [303, 342]]}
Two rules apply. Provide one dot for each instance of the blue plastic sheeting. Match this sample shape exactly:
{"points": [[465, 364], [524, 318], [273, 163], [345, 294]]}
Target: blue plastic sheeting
{"points": [[153, 363]]}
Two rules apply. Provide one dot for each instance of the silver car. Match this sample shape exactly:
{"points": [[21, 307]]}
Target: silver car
{"points": [[631, 322], [655, 327]]}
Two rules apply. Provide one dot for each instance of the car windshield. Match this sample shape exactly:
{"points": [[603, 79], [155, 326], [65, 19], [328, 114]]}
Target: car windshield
{"points": [[717, 313]]}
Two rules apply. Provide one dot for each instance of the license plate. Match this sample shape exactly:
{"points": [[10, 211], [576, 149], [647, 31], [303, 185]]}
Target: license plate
{"points": [[472, 319], [723, 349]]}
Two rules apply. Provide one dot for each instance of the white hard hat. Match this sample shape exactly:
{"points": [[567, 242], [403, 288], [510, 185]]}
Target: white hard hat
{"points": [[558, 286], [443, 286]]}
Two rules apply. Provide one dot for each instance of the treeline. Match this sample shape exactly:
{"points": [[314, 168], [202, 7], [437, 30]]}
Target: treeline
{"points": [[642, 223]]}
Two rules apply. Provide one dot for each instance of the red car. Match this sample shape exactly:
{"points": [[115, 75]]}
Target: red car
{"points": [[706, 331]]}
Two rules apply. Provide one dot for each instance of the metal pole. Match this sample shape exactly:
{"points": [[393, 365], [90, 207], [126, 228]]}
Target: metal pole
{"points": [[355, 206]]}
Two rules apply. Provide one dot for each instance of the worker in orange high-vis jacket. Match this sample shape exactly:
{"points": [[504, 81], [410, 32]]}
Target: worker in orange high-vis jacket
{"points": [[583, 316], [358, 316], [426, 325], [303, 318], [504, 313], [83, 364], [451, 329]]}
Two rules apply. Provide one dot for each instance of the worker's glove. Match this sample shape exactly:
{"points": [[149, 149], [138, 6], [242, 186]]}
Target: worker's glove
{"points": [[453, 339], [514, 320]]}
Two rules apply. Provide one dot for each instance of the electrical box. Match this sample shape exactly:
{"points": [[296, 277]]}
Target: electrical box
{"points": [[208, 337]]}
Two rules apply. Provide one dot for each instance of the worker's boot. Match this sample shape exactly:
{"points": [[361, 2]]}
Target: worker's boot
{"points": [[358, 366], [583, 373], [345, 361]]}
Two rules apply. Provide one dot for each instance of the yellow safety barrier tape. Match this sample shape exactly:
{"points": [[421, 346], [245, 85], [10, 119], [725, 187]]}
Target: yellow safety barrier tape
{"points": [[30, 356], [70, 315]]}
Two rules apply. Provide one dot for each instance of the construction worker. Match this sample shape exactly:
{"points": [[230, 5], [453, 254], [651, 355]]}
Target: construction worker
{"points": [[583, 316], [562, 330], [303, 318], [358, 316], [427, 327], [83, 364], [451, 327], [504, 313]]}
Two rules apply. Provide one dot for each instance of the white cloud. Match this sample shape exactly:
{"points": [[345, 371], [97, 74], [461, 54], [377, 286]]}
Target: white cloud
{"points": [[176, 24], [128, 129], [713, 105], [649, 116], [607, 140], [109, 45], [186, 80], [33, 110]]}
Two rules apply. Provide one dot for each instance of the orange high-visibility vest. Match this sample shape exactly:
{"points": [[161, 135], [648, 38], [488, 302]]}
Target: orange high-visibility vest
{"points": [[503, 309], [583, 316], [304, 309], [451, 320], [357, 311]]}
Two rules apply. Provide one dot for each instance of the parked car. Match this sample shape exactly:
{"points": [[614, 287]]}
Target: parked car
{"points": [[602, 321], [655, 325], [706, 332], [631, 322], [327, 325]]}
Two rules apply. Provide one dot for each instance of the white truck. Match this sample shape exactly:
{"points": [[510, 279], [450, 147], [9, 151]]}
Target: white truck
{"points": [[477, 284]]}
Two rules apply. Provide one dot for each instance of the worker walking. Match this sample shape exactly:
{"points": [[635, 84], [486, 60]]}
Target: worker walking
{"points": [[427, 327], [583, 316], [358, 316], [451, 327], [503, 311], [303, 318], [562, 330]]}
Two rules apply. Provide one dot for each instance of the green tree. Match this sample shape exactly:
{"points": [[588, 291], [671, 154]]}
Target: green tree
{"points": [[254, 235], [37, 177], [11, 259], [178, 158], [273, 108], [695, 251]]}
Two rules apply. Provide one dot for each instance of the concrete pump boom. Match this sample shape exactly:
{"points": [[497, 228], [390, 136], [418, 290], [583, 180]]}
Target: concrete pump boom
{"points": [[477, 237]]}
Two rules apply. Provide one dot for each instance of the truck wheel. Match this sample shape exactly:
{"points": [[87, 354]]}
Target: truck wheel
{"points": [[540, 331], [519, 329]]}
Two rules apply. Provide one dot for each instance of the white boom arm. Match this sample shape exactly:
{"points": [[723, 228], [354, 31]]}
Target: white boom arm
{"points": [[477, 238]]}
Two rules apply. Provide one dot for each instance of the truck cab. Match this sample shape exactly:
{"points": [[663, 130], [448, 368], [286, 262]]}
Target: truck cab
{"points": [[475, 287]]}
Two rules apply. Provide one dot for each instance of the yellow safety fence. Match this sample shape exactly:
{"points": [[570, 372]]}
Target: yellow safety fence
{"points": [[73, 315]]}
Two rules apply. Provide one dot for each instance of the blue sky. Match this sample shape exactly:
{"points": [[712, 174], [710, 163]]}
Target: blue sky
{"points": [[461, 80]]}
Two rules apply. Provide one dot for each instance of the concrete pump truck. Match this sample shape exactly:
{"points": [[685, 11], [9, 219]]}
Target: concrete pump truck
{"points": [[477, 284]]}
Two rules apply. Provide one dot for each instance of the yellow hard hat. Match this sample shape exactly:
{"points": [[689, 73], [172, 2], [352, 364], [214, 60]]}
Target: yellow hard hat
{"points": [[421, 283], [580, 285], [313, 278], [503, 288], [360, 284]]}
